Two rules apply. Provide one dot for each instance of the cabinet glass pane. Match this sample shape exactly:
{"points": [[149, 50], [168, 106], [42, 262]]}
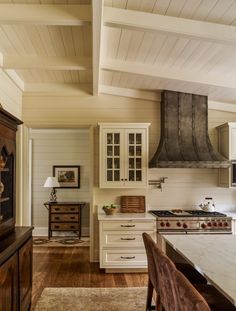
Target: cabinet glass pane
{"points": [[116, 175], [109, 163], [109, 175], [131, 175], [131, 151], [138, 139], [138, 151], [116, 138], [109, 138], [117, 151], [138, 175], [138, 163], [131, 163], [131, 139], [116, 163], [109, 150]]}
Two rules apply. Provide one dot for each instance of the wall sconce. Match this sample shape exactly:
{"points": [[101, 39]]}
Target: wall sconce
{"points": [[157, 182], [52, 182]]}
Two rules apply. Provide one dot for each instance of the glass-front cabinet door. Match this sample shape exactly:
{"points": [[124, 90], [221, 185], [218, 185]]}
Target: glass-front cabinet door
{"points": [[123, 155]]}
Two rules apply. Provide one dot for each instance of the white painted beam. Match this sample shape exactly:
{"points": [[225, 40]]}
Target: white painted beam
{"points": [[45, 14], [132, 93], [131, 19], [97, 34], [215, 105], [46, 62], [180, 75], [64, 89], [15, 78]]}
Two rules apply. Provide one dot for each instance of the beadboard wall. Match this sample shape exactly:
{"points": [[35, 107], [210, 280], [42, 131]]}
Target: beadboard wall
{"points": [[58, 147], [184, 188]]}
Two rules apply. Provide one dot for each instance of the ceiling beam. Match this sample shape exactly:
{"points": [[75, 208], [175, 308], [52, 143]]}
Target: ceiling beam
{"points": [[46, 62], [131, 19], [132, 93], [97, 34], [64, 89], [180, 75], [45, 14]]}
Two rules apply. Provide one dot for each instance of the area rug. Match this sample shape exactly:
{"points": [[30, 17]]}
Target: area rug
{"points": [[91, 299], [60, 242]]}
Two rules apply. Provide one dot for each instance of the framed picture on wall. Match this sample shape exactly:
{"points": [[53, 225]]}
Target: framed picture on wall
{"points": [[68, 176]]}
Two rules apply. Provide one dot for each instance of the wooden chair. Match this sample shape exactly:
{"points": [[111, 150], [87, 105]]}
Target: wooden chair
{"points": [[152, 277], [187, 296]]}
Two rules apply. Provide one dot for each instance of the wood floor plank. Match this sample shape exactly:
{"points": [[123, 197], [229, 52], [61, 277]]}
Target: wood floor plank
{"points": [[70, 267]]}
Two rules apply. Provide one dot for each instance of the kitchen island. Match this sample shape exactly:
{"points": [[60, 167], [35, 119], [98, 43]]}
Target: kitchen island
{"points": [[212, 255]]}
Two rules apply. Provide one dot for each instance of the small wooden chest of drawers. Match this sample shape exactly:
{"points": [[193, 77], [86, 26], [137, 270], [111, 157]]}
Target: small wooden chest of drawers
{"points": [[64, 216]]}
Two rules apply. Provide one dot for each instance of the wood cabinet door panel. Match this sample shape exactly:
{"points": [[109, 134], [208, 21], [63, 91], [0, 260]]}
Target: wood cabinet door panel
{"points": [[8, 285], [25, 274]]}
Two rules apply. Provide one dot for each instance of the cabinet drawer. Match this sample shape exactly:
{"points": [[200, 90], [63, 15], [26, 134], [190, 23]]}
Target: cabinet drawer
{"points": [[64, 209], [124, 258], [68, 226], [128, 225], [123, 239], [65, 217]]}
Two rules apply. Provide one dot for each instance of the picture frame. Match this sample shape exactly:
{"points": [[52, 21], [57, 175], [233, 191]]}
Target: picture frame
{"points": [[68, 176]]}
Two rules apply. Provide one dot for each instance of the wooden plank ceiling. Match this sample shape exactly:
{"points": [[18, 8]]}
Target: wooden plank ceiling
{"points": [[121, 47]]}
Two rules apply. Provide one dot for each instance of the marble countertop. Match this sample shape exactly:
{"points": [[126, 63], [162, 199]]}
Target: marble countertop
{"points": [[212, 255], [126, 216]]}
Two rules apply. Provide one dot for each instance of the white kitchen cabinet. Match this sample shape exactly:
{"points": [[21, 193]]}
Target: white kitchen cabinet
{"points": [[121, 244], [227, 147], [123, 155]]}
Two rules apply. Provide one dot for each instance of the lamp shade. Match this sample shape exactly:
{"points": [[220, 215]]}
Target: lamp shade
{"points": [[51, 182]]}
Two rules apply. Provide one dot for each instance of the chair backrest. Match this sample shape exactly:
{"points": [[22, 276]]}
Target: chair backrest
{"points": [[165, 271], [149, 244], [188, 297]]}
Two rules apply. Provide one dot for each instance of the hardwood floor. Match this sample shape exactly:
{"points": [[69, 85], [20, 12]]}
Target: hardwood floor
{"points": [[70, 267]]}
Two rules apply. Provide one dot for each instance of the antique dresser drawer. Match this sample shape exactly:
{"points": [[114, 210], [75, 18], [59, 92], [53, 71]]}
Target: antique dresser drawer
{"points": [[66, 226], [64, 217], [64, 209], [123, 239], [124, 258], [128, 225]]}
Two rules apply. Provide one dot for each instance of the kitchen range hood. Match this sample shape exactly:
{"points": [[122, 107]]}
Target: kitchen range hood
{"points": [[184, 138]]}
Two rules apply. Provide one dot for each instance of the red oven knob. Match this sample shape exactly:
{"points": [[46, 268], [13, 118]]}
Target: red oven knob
{"points": [[226, 224], [203, 226], [209, 224], [167, 224], [220, 224], [162, 224], [185, 226], [178, 224], [215, 224]]}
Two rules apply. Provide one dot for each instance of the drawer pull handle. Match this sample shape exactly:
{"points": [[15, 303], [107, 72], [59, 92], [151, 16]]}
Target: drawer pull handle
{"points": [[57, 227], [72, 227], [57, 209], [127, 226], [72, 209], [128, 239], [73, 217], [127, 257], [57, 218]]}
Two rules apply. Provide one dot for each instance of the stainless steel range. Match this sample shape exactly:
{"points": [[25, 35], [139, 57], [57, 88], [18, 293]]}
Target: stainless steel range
{"points": [[191, 222]]}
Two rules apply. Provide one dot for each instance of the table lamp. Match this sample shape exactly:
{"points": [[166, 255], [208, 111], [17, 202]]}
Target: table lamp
{"points": [[52, 182]]}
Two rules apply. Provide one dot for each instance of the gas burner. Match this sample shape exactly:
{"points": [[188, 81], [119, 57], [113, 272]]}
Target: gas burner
{"points": [[205, 213]]}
